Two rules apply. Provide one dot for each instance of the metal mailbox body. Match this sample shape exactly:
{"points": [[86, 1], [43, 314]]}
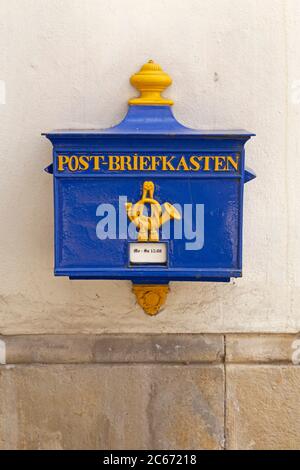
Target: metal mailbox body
{"points": [[150, 134]]}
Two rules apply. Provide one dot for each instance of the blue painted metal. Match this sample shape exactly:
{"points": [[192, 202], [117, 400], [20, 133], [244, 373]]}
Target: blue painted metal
{"points": [[148, 130]]}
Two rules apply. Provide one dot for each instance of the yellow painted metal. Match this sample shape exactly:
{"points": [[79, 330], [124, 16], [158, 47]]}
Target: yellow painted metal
{"points": [[148, 225], [150, 81]]}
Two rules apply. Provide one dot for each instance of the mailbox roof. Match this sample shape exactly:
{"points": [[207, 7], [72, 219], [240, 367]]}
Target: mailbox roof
{"points": [[150, 120]]}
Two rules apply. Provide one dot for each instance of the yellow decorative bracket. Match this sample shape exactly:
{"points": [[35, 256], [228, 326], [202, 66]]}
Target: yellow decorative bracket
{"points": [[150, 81], [151, 297]]}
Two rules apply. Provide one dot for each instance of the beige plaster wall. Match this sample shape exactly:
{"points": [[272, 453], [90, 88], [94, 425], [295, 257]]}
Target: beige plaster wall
{"points": [[66, 63]]}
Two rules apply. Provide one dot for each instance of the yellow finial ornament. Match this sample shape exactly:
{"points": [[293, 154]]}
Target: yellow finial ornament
{"points": [[150, 81]]}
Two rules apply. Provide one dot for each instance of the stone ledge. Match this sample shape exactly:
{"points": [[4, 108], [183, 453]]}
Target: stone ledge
{"points": [[263, 348], [150, 348], [124, 348]]}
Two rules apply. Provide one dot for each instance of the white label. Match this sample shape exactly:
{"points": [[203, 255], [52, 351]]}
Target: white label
{"points": [[148, 253]]}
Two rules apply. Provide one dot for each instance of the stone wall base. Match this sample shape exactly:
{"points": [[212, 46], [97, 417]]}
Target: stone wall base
{"points": [[168, 391]]}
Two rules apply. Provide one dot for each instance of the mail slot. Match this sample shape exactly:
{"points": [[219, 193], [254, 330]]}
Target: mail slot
{"points": [[149, 200]]}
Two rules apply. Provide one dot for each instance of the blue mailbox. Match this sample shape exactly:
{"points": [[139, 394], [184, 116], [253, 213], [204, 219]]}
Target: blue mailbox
{"points": [[149, 200]]}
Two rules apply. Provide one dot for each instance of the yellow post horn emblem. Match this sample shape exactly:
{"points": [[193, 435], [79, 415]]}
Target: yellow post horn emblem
{"points": [[148, 225]]}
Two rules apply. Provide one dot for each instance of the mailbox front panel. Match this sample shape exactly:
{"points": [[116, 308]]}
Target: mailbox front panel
{"points": [[205, 244]]}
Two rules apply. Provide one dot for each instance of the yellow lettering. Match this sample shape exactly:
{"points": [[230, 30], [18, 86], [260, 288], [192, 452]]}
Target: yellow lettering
{"points": [[151, 163], [84, 162], [73, 163], [219, 163], [166, 163], [113, 162], [235, 164], [206, 163], [182, 164], [144, 162], [62, 160], [194, 162], [155, 162], [135, 159], [97, 159], [125, 162]]}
